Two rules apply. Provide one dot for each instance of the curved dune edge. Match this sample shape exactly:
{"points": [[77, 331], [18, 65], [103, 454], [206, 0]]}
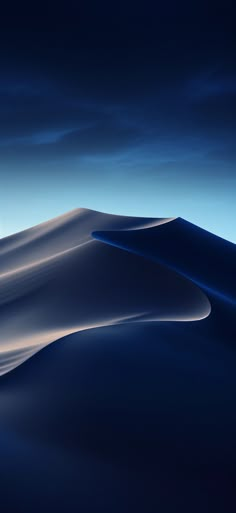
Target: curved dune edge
{"points": [[56, 279], [200, 256]]}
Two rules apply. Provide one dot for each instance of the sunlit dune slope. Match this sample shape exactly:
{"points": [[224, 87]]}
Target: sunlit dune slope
{"points": [[56, 279]]}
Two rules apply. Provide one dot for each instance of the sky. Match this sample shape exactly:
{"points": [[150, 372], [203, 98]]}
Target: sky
{"points": [[124, 107]]}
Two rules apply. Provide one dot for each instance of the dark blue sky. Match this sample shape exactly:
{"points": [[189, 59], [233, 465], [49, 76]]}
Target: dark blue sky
{"points": [[126, 107]]}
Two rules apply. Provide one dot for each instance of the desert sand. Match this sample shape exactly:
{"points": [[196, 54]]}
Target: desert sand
{"points": [[118, 367]]}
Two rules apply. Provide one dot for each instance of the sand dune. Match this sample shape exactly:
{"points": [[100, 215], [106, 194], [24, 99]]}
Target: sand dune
{"points": [[56, 279], [120, 414]]}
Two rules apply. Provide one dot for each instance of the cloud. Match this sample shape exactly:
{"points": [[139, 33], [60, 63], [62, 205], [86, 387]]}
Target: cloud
{"points": [[102, 138], [88, 79], [29, 107]]}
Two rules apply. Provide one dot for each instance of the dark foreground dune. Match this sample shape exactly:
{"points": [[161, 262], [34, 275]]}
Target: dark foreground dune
{"points": [[139, 412]]}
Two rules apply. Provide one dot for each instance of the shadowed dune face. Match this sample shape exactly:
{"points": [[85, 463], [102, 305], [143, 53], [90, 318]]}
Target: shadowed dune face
{"points": [[138, 414], [204, 258], [56, 279]]}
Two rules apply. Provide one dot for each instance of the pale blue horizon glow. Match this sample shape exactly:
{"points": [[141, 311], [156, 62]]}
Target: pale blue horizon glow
{"points": [[27, 202]]}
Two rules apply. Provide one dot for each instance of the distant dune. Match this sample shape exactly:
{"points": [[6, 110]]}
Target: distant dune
{"points": [[134, 408]]}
